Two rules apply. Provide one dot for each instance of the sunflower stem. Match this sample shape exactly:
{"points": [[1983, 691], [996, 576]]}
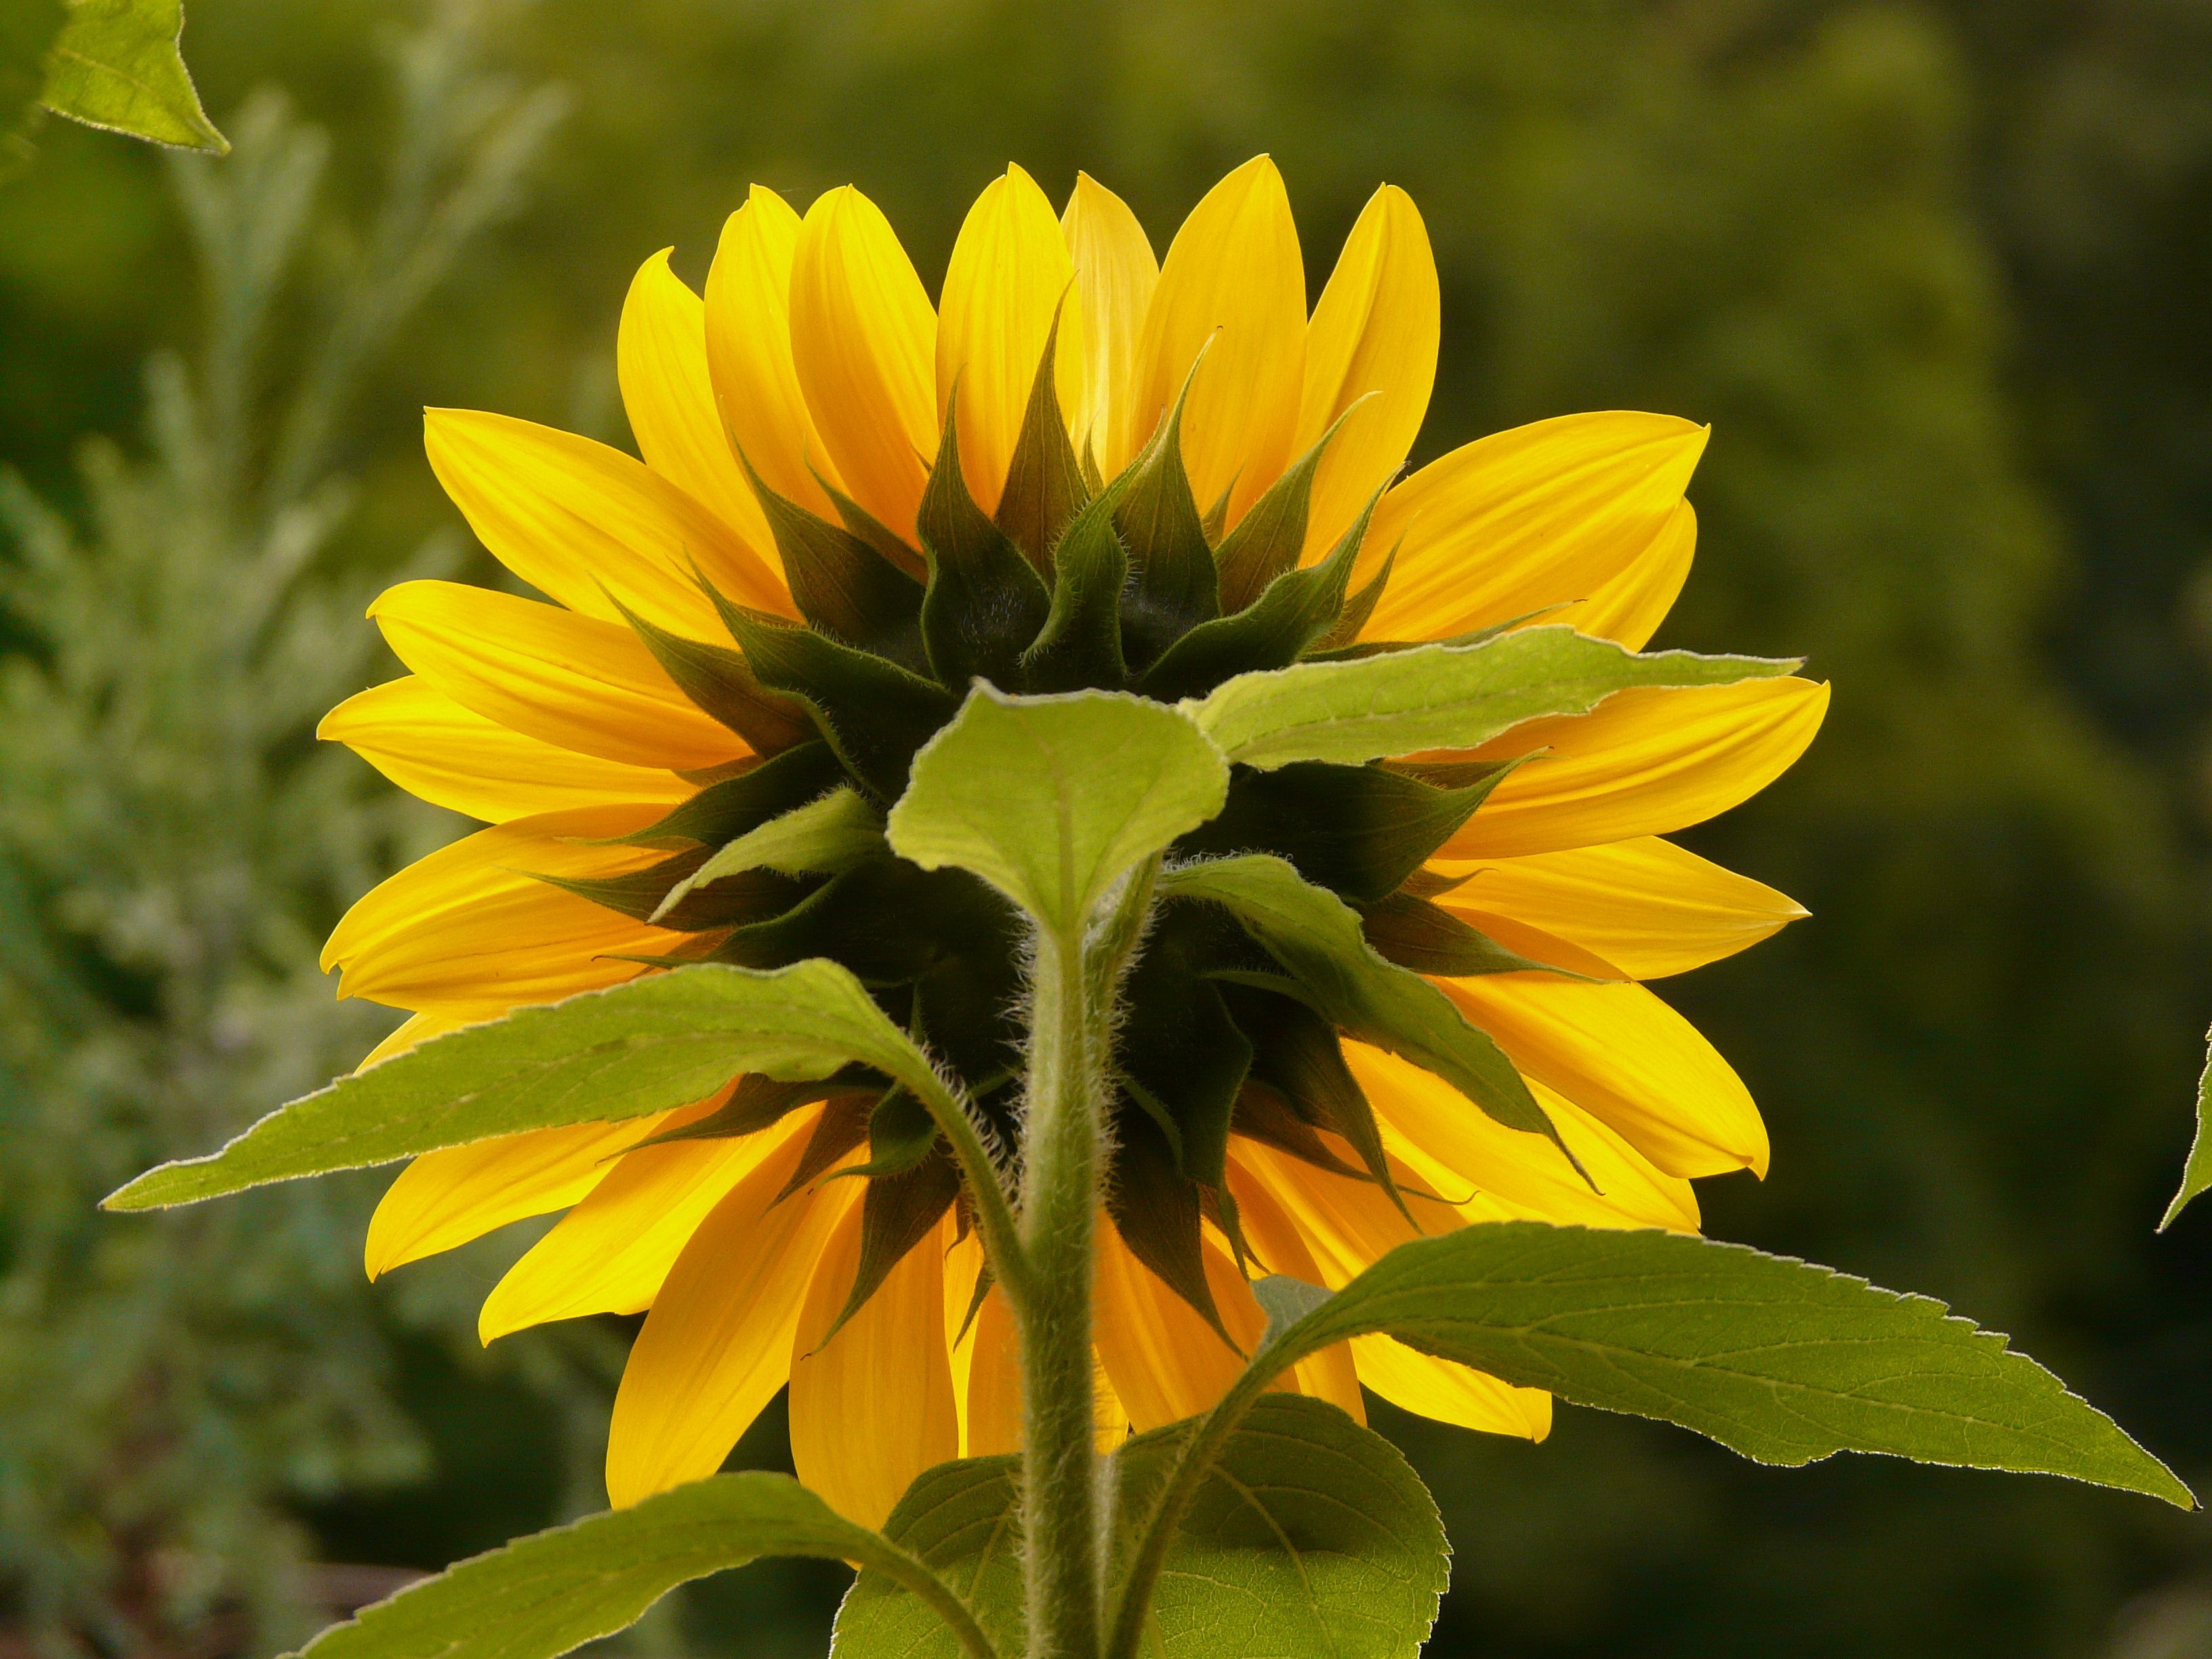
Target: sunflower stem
{"points": [[1075, 980]]}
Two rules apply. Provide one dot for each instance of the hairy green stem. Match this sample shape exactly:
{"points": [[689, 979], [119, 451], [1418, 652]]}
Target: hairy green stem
{"points": [[1075, 980]]}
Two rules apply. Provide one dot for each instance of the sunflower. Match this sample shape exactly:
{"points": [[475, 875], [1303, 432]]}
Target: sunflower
{"points": [[1082, 467]]}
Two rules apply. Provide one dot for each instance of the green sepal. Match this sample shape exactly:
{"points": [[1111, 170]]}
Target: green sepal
{"points": [[1297, 1053], [1357, 831], [1315, 937], [843, 1126], [1155, 1208], [1263, 1114], [888, 922], [641, 893], [1357, 608], [1429, 940], [895, 548], [1045, 488], [1272, 534], [1173, 585], [842, 585], [1080, 646], [722, 685], [759, 1102], [984, 603], [874, 714], [1182, 1057], [897, 1213], [722, 811], [1297, 608], [827, 837]]}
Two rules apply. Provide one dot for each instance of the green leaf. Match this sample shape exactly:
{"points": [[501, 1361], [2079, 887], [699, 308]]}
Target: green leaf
{"points": [[1310, 1535], [548, 1594], [725, 809], [963, 1521], [823, 838], [1440, 696], [646, 1046], [1780, 1360], [2197, 1175], [986, 602], [117, 65], [1428, 939], [1053, 800], [1317, 938]]}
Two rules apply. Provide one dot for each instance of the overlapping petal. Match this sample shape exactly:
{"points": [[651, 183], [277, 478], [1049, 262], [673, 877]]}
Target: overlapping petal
{"points": [[864, 342], [1630, 606], [1646, 906], [1233, 286], [1115, 272], [1628, 1059], [471, 931], [1008, 275], [612, 1253], [1373, 344], [661, 362], [452, 756], [1644, 762], [749, 354], [1540, 515], [569, 680], [717, 1343], [872, 1406], [588, 525]]}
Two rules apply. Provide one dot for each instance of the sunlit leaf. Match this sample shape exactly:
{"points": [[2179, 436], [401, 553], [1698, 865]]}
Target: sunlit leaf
{"points": [[117, 65]]}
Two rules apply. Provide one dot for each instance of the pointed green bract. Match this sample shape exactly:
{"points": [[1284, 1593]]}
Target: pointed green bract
{"points": [[1080, 644], [647, 1046], [1780, 1360], [1440, 696], [2197, 1176], [117, 65], [1080, 789], [821, 838], [550, 1593], [1316, 937], [986, 602]]}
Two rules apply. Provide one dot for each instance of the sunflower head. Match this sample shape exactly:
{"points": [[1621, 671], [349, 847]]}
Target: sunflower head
{"points": [[1075, 581]]}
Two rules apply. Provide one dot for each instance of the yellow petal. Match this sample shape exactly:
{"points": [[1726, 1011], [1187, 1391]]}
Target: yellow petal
{"points": [[660, 360], [471, 931], [1009, 274], [1630, 607], [864, 341], [1628, 1059], [1456, 1148], [1350, 1225], [992, 1423], [581, 522], [872, 1407], [445, 1199], [749, 354], [1233, 278], [717, 1345], [1544, 515], [1274, 1238], [1115, 272], [1165, 1362], [434, 749], [1645, 762], [612, 1253], [1429, 1387], [1375, 331], [569, 680], [414, 1029], [1646, 906]]}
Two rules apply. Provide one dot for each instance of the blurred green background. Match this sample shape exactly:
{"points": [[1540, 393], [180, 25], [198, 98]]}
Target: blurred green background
{"points": [[1937, 273]]}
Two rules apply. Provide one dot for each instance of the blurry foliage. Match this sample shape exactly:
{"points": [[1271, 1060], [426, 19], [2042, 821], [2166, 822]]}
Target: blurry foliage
{"points": [[1934, 269]]}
